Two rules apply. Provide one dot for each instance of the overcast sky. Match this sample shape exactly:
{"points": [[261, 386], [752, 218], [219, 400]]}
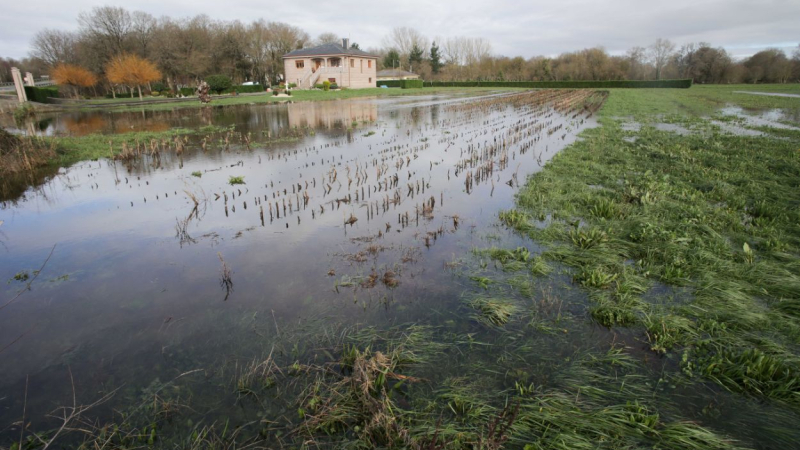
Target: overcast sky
{"points": [[513, 27]]}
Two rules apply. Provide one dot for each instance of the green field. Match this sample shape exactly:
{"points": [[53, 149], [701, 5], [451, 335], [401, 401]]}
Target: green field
{"points": [[685, 241]]}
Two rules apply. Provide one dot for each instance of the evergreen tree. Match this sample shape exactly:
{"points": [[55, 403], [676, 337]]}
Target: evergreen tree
{"points": [[415, 57], [436, 59], [392, 59], [354, 45]]}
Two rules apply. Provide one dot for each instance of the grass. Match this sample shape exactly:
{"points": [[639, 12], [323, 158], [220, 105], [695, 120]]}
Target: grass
{"points": [[710, 211], [699, 100], [72, 149], [491, 311]]}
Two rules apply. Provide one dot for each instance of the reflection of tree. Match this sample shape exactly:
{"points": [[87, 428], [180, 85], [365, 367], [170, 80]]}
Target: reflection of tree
{"points": [[83, 125], [95, 123]]}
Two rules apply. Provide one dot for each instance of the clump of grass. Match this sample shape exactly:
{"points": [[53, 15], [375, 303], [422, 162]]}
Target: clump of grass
{"points": [[359, 402], [596, 277], [233, 180], [198, 174], [538, 266], [493, 312], [22, 154], [755, 372], [24, 112]]}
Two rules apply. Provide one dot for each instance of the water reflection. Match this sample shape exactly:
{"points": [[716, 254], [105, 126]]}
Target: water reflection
{"points": [[132, 293], [245, 118]]}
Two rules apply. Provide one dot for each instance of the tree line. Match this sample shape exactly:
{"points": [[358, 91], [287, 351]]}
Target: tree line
{"points": [[111, 42]]}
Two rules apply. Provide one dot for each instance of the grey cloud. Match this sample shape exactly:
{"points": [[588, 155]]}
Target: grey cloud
{"points": [[514, 28]]}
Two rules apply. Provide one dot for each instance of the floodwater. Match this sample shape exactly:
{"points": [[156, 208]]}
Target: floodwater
{"points": [[132, 292], [352, 214], [769, 94]]}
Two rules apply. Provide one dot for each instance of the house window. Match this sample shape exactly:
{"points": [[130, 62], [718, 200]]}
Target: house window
{"points": [[369, 64], [352, 62], [300, 64], [370, 80], [332, 80]]}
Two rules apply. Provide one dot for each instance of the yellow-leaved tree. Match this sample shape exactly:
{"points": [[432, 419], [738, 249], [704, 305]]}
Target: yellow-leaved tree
{"points": [[132, 70], [73, 76]]}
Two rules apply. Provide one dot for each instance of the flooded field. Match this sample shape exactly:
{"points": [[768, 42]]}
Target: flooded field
{"points": [[162, 274], [378, 273]]}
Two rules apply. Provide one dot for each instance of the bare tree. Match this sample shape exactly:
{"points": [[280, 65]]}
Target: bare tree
{"points": [[54, 46], [142, 32], [637, 63], [660, 53], [110, 25], [404, 39], [327, 38]]}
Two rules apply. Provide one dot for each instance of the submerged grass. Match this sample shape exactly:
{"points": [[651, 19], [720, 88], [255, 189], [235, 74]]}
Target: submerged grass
{"points": [[712, 212], [491, 311]]}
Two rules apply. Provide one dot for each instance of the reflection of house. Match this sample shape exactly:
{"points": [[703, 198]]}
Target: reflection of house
{"points": [[340, 64], [396, 74], [331, 114]]}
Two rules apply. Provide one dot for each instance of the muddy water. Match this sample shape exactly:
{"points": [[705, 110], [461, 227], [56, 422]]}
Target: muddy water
{"points": [[352, 222]]}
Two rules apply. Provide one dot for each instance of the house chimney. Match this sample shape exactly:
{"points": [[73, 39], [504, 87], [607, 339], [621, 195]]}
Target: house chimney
{"points": [[345, 42]]}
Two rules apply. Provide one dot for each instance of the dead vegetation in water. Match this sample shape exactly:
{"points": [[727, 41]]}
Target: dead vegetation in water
{"points": [[20, 154], [226, 277], [358, 399]]}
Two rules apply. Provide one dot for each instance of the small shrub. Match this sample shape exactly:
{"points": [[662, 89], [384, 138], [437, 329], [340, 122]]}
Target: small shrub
{"points": [[23, 112], [235, 180], [326, 85], [219, 83], [197, 174]]}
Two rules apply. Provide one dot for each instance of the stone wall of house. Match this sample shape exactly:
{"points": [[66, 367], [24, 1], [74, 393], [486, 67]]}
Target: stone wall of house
{"points": [[355, 72]]}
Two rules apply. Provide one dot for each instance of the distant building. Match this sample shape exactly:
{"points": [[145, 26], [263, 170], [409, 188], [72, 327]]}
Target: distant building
{"points": [[340, 64], [396, 74]]}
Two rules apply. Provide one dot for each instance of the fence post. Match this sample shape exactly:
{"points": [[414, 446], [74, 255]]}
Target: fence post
{"points": [[15, 74]]}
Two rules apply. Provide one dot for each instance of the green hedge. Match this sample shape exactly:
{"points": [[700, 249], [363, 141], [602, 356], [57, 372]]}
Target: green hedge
{"points": [[41, 94], [388, 83], [411, 84], [245, 89], [675, 84], [190, 91], [404, 84]]}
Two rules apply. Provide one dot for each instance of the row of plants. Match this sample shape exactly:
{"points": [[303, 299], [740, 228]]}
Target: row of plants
{"points": [[673, 84]]}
